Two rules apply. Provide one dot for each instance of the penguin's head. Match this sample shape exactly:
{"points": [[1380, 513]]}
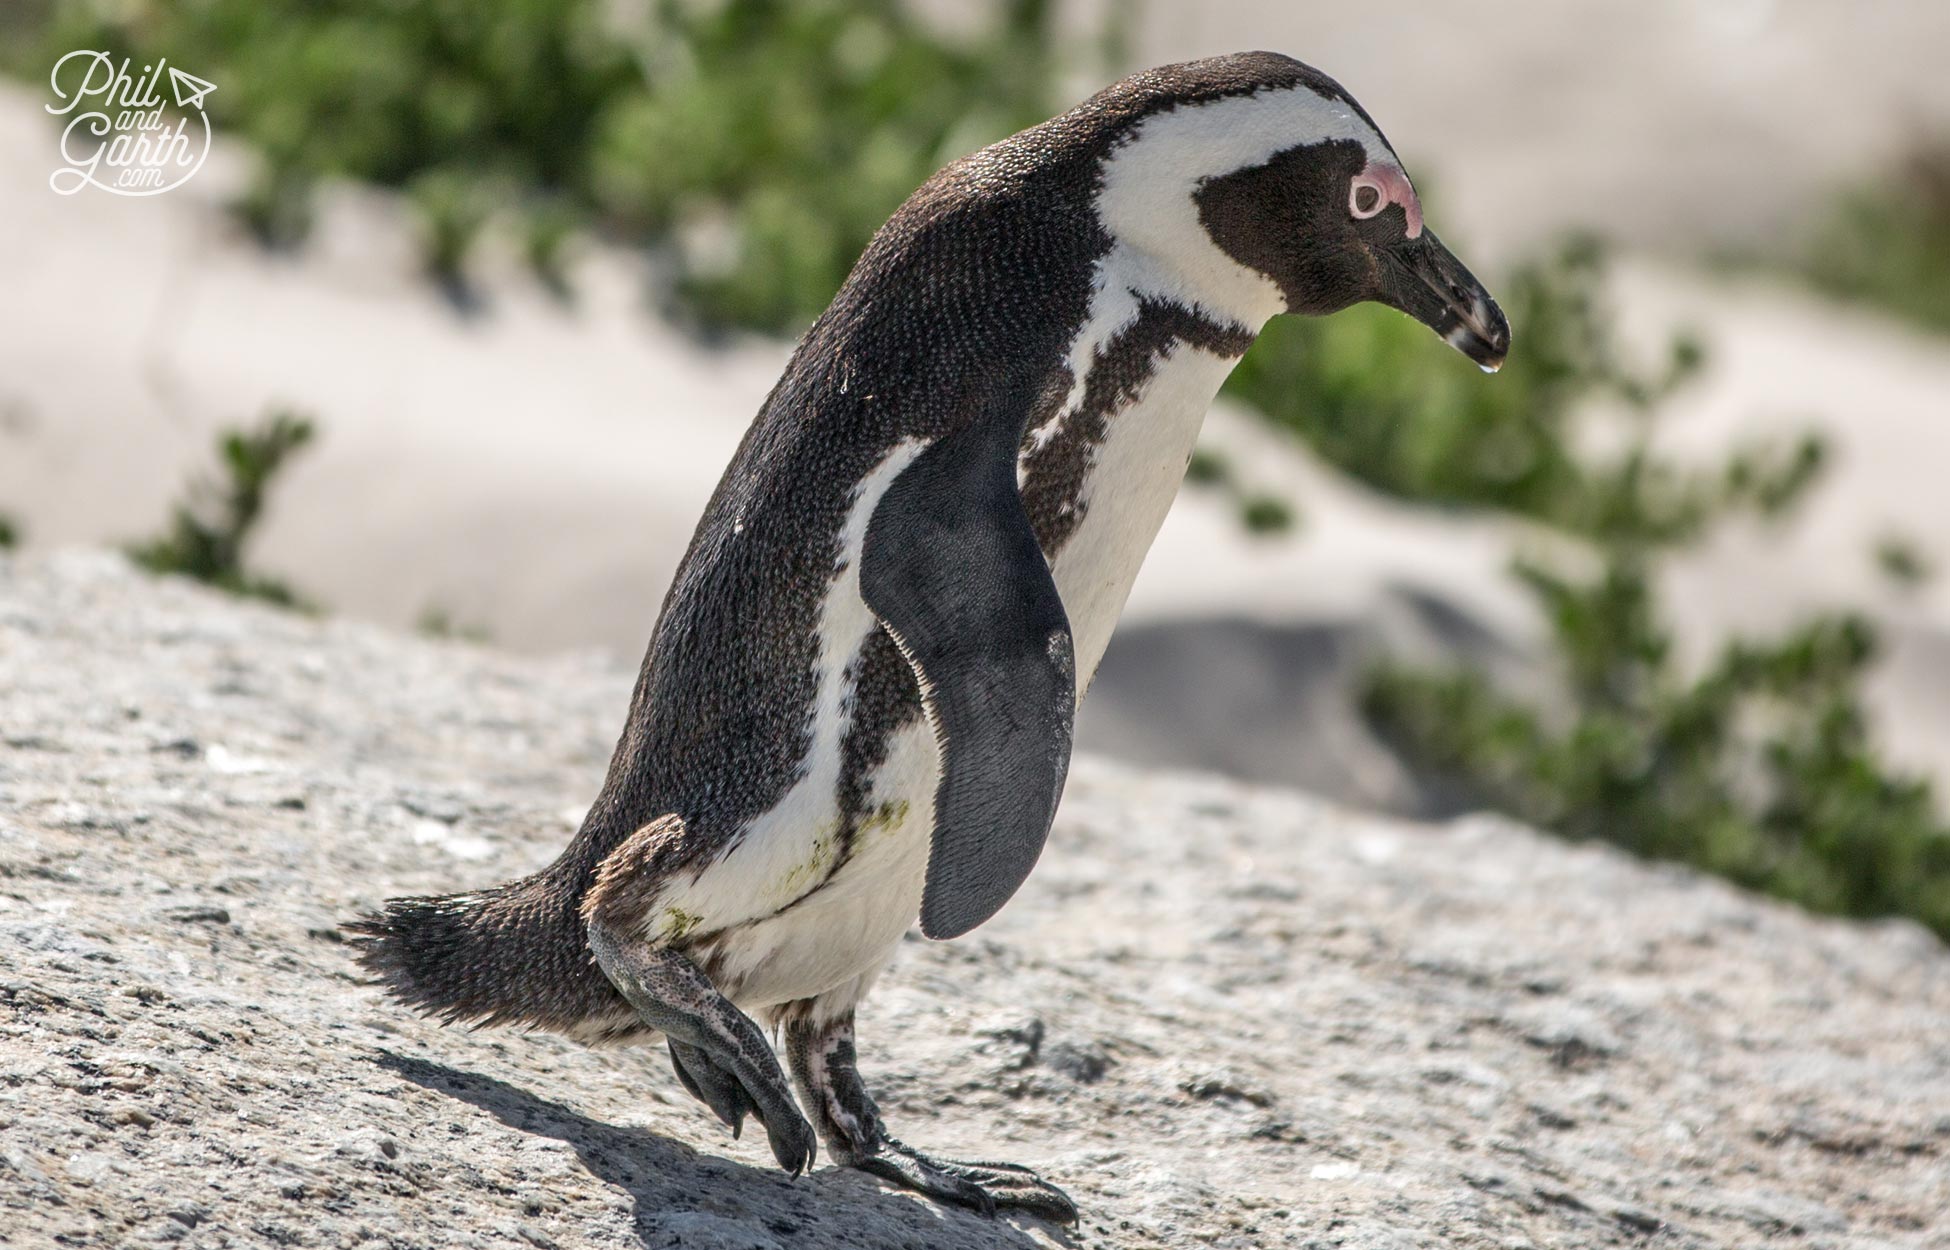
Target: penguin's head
{"points": [[1256, 185]]}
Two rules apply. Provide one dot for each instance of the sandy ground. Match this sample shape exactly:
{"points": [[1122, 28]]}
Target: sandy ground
{"points": [[535, 469]]}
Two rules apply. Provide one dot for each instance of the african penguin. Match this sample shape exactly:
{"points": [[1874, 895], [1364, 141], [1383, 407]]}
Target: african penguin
{"points": [[856, 704]]}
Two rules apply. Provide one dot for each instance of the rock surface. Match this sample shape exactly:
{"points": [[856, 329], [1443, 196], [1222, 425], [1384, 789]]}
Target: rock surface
{"points": [[1220, 1016]]}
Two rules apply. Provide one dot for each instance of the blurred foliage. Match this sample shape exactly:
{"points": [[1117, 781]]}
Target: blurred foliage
{"points": [[1207, 468], [436, 620], [1757, 766], [1259, 511], [1370, 390], [757, 143], [209, 528], [451, 208], [546, 244], [9, 532], [1889, 243], [1902, 561], [1266, 514]]}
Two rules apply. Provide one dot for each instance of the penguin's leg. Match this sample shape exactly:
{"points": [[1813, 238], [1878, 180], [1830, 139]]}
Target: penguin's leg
{"points": [[720, 1055], [826, 1070]]}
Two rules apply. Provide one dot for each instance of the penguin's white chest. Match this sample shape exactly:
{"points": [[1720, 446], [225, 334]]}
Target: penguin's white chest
{"points": [[1133, 476]]}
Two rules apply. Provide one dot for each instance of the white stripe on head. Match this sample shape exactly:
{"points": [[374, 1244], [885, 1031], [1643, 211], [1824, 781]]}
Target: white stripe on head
{"points": [[1149, 180]]}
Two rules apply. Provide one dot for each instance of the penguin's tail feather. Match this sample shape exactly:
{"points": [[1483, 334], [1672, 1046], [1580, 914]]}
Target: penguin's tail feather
{"points": [[516, 954]]}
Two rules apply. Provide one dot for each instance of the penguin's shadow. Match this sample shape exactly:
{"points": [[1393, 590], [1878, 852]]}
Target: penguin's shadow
{"points": [[679, 1190]]}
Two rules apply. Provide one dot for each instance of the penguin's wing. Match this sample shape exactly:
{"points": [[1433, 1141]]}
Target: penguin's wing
{"points": [[953, 571]]}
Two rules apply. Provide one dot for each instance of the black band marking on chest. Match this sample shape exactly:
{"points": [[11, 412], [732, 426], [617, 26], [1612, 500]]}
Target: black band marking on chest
{"points": [[1052, 491]]}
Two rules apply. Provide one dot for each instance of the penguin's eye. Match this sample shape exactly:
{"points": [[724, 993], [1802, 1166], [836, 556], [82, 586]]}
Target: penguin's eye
{"points": [[1379, 186]]}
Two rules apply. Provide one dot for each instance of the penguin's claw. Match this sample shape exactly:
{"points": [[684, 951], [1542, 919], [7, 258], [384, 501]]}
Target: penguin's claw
{"points": [[986, 1187], [793, 1143], [719, 1087], [712, 1085]]}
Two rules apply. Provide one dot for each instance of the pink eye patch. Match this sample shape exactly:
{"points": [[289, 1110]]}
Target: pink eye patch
{"points": [[1380, 185]]}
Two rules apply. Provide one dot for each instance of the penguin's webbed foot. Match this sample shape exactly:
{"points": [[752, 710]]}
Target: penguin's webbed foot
{"points": [[720, 1055], [826, 1071], [987, 1187]]}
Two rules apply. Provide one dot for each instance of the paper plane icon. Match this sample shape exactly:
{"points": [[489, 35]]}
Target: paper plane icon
{"points": [[190, 89]]}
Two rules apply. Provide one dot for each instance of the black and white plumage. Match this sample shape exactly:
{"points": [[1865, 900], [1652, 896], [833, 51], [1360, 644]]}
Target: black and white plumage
{"points": [[856, 704]]}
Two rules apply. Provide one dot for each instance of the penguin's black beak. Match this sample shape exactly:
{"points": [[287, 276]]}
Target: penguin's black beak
{"points": [[1424, 279]]}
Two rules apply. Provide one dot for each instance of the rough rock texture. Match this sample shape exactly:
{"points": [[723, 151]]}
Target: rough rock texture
{"points": [[1220, 1016]]}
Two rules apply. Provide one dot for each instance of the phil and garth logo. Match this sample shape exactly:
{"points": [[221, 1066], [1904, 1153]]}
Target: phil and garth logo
{"points": [[124, 143]]}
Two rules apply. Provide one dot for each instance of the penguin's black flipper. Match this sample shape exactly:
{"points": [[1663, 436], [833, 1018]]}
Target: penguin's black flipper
{"points": [[953, 571]]}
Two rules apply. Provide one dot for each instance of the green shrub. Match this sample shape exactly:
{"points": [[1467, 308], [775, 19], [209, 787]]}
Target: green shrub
{"points": [[452, 208], [1902, 561], [546, 244], [1888, 243], [1261, 512], [1759, 766], [209, 528], [791, 131], [1371, 391], [1207, 468], [757, 144], [436, 620], [1266, 514]]}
